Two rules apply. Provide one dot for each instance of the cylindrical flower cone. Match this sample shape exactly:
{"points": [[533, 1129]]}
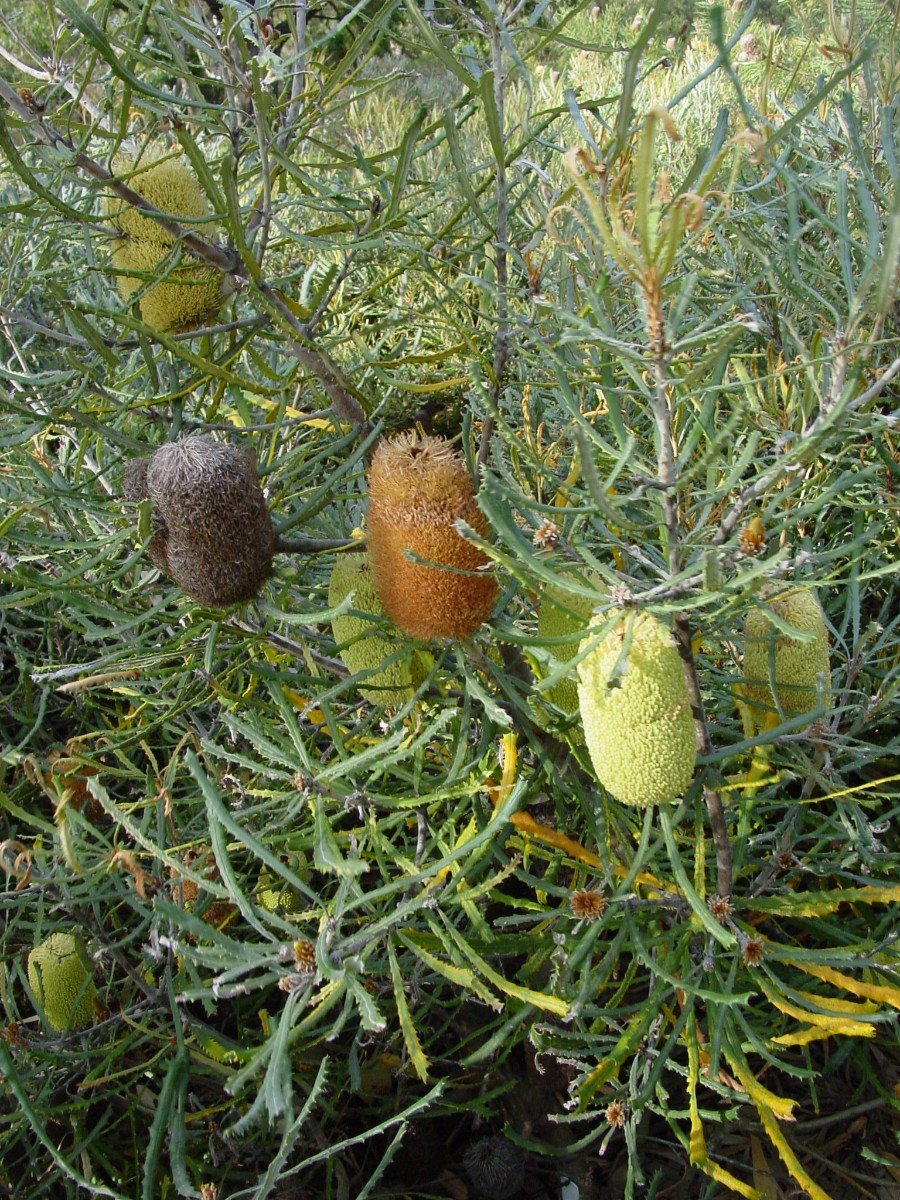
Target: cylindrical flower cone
{"points": [[59, 975], [364, 645], [215, 536], [190, 293], [636, 711], [418, 488], [797, 669]]}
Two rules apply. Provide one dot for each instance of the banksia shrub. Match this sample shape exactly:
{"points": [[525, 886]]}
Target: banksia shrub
{"points": [[363, 643], [215, 537], [191, 292], [796, 668], [59, 973], [636, 711], [418, 488]]}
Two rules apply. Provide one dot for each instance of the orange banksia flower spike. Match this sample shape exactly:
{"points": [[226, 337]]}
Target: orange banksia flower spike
{"points": [[418, 488]]}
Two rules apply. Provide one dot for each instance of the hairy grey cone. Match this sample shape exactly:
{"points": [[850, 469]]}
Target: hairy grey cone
{"points": [[496, 1167], [215, 537]]}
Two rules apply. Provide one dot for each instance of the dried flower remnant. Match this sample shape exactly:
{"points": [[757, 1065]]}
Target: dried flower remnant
{"points": [[588, 905], [304, 956], [752, 951], [721, 908], [546, 536], [419, 488], [616, 1114], [752, 538]]}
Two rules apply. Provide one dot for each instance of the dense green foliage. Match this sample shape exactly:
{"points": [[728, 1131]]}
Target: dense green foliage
{"points": [[644, 272]]}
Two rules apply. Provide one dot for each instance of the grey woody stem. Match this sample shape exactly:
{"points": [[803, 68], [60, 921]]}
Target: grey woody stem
{"points": [[668, 480], [501, 336]]}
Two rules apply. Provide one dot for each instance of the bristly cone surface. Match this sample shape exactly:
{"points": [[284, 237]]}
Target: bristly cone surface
{"points": [[797, 669], [190, 293], [636, 710], [418, 488], [216, 538]]}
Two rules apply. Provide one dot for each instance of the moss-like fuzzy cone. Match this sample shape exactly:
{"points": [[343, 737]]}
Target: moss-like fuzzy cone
{"points": [[798, 668], [272, 894], [216, 538], [640, 734], [168, 184], [563, 613], [59, 972], [496, 1166], [365, 644], [418, 488], [191, 293]]}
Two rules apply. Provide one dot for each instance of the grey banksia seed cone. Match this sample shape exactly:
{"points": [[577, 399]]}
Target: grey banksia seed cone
{"points": [[215, 537], [496, 1167]]}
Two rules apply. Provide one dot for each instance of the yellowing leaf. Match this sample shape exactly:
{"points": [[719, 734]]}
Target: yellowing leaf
{"points": [[787, 1156], [802, 1037], [817, 904], [624, 1047], [407, 1026], [769, 1114], [778, 1106], [699, 1154], [540, 1000], [882, 993], [833, 1024], [462, 977], [838, 1004]]}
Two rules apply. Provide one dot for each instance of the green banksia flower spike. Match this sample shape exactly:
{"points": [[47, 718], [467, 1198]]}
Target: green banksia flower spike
{"points": [[563, 613], [418, 488], [168, 184], [190, 295], [365, 644], [191, 292], [215, 537], [59, 973], [273, 894], [797, 668], [636, 712]]}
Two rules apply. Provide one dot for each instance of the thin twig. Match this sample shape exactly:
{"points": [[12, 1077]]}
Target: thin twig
{"points": [[313, 545], [345, 405], [501, 335], [667, 474]]}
